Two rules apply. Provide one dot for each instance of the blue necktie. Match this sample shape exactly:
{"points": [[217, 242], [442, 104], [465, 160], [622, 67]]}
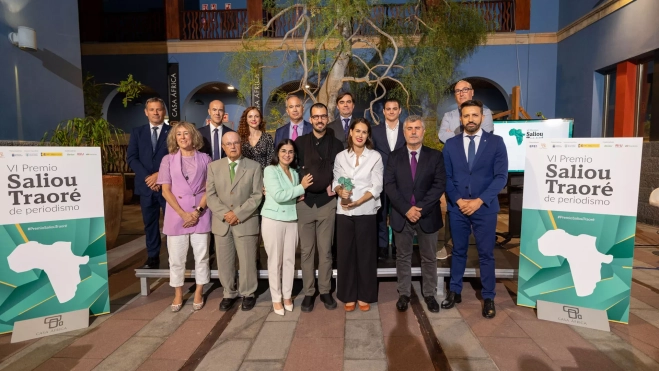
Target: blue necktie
{"points": [[471, 151], [154, 139], [216, 145], [346, 126]]}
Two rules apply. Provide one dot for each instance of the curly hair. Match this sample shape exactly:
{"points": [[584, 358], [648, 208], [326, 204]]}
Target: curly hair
{"points": [[197, 140], [243, 128]]}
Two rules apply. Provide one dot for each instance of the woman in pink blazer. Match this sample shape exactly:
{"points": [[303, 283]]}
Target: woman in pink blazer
{"points": [[187, 222]]}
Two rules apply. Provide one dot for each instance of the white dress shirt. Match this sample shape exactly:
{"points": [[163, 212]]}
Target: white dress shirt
{"points": [[418, 154], [477, 141], [157, 131], [367, 177], [392, 135], [219, 136], [237, 163]]}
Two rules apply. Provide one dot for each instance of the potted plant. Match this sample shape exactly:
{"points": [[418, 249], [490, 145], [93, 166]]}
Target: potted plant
{"points": [[95, 131]]}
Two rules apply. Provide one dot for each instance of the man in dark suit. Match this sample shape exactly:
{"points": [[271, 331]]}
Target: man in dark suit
{"points": [[297, 127], [476, 171], [213, 132], [341, 125], [386, 139], [146, 148], [414, 181]]}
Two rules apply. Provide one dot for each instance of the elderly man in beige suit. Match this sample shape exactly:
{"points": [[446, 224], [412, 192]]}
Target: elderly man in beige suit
{"points": [[234, 190]]}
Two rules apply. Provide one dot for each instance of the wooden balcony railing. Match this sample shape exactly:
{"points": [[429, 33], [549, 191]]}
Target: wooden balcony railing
{"points": [[500, 15], [213, 24], [127, 27]]}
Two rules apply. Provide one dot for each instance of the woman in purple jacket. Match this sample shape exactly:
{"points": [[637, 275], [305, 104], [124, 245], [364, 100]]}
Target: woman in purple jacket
{"points": [[187, 223]]}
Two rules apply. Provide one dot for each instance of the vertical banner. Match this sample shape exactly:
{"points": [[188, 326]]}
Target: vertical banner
{"points": [[257, 89], [52, 233], [579, 223], [173, 92]]}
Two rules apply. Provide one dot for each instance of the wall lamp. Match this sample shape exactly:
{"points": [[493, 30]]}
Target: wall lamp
{"points": [[25, 38]]}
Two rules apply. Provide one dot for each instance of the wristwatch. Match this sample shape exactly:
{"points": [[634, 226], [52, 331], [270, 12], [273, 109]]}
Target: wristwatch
{"points": [[199, 209]]}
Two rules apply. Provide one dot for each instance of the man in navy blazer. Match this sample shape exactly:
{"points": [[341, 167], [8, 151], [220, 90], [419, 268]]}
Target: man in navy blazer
{"points": [[212, 147], [386, 139], [297, 127], [476, 171], [414, 181], [146, 148]]}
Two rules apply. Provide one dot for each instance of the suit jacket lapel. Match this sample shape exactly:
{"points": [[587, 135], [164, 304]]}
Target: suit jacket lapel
{"points": [[400, 141], [162, 138], [461, 148], [481, 146], [239, 174]]}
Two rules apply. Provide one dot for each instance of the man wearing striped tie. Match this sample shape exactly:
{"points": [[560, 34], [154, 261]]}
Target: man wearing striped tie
{"points": [[341, 125], [213, 132]]}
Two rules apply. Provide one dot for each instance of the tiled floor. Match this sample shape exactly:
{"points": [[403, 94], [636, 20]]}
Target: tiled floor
{"points": [[142, 333]]}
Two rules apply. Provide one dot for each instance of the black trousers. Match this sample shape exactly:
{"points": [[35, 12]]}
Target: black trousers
{"points": [[357, 258]]}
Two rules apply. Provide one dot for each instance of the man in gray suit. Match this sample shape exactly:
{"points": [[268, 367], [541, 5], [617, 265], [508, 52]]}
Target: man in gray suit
{"points": [[234, 189], [346, 104]]}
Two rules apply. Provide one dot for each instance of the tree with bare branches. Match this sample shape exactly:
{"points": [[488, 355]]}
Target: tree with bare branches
{"points": [[407, 51]]}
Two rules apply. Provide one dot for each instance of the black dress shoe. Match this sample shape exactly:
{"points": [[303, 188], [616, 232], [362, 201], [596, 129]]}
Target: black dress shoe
{"points": [[432, 304], [227, 303], [151, 263], [402, 303], [488, 309], [451, 299], [383, 253], [307, 304], [248, 303], [328, 300]]}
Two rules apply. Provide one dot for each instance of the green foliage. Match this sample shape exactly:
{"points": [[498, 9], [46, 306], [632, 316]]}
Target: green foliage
{"points": [[540, 115], [91, 91], [430, 137], [88, 132], [411, 54]]}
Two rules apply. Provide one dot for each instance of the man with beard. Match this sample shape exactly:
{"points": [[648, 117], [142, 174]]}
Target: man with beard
{"points": [[450, 127], [316, 213], [476, 171]]}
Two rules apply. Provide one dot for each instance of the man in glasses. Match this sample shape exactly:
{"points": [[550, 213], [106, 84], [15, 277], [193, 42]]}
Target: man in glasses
{"points": [[450, 127], [296, 127], [316, 213]]}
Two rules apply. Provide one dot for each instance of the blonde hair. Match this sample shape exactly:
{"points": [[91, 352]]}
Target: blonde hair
{"points": [[197, 140]]}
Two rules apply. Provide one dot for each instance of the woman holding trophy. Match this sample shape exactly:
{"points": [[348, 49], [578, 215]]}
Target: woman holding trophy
{"points": [[358, 177]]}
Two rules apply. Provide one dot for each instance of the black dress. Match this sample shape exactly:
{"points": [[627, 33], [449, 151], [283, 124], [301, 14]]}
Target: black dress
{"points": [[262, 152]]}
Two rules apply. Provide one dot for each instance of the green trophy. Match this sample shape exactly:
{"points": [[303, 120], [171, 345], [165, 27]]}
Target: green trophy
{"points": [[346, 183]]}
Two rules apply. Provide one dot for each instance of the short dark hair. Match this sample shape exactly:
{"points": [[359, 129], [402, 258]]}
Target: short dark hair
{"points": [[472, 103], [369, 142], [318, 105], [391, 100], [341, 95], [275, 157]]}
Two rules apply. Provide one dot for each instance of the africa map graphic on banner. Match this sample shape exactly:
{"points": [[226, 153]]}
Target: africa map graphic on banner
{"points": [[579, 223], [52, 233]]}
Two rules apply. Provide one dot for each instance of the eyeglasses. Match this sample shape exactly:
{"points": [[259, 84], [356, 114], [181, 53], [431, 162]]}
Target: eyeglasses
{"points": [[231, 144], [462, 91], [319, 117]]}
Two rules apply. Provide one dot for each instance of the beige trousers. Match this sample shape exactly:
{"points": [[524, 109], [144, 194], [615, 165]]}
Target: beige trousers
{"points": [[280, 240]]}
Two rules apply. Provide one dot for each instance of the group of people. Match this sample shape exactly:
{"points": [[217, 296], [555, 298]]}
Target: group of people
{"points": [[317, 184]]}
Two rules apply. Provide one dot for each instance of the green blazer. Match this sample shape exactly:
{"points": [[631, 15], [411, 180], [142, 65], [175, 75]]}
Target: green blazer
{"points": [[280, 194]]}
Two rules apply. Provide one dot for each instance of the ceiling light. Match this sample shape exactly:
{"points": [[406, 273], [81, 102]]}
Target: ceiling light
{"points": [[198, 102], [230, 87], [215, 88], [307, 86]]}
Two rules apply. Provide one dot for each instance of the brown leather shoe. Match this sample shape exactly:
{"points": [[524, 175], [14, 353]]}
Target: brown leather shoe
{"points": [[349, 307], [365, 308]]}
